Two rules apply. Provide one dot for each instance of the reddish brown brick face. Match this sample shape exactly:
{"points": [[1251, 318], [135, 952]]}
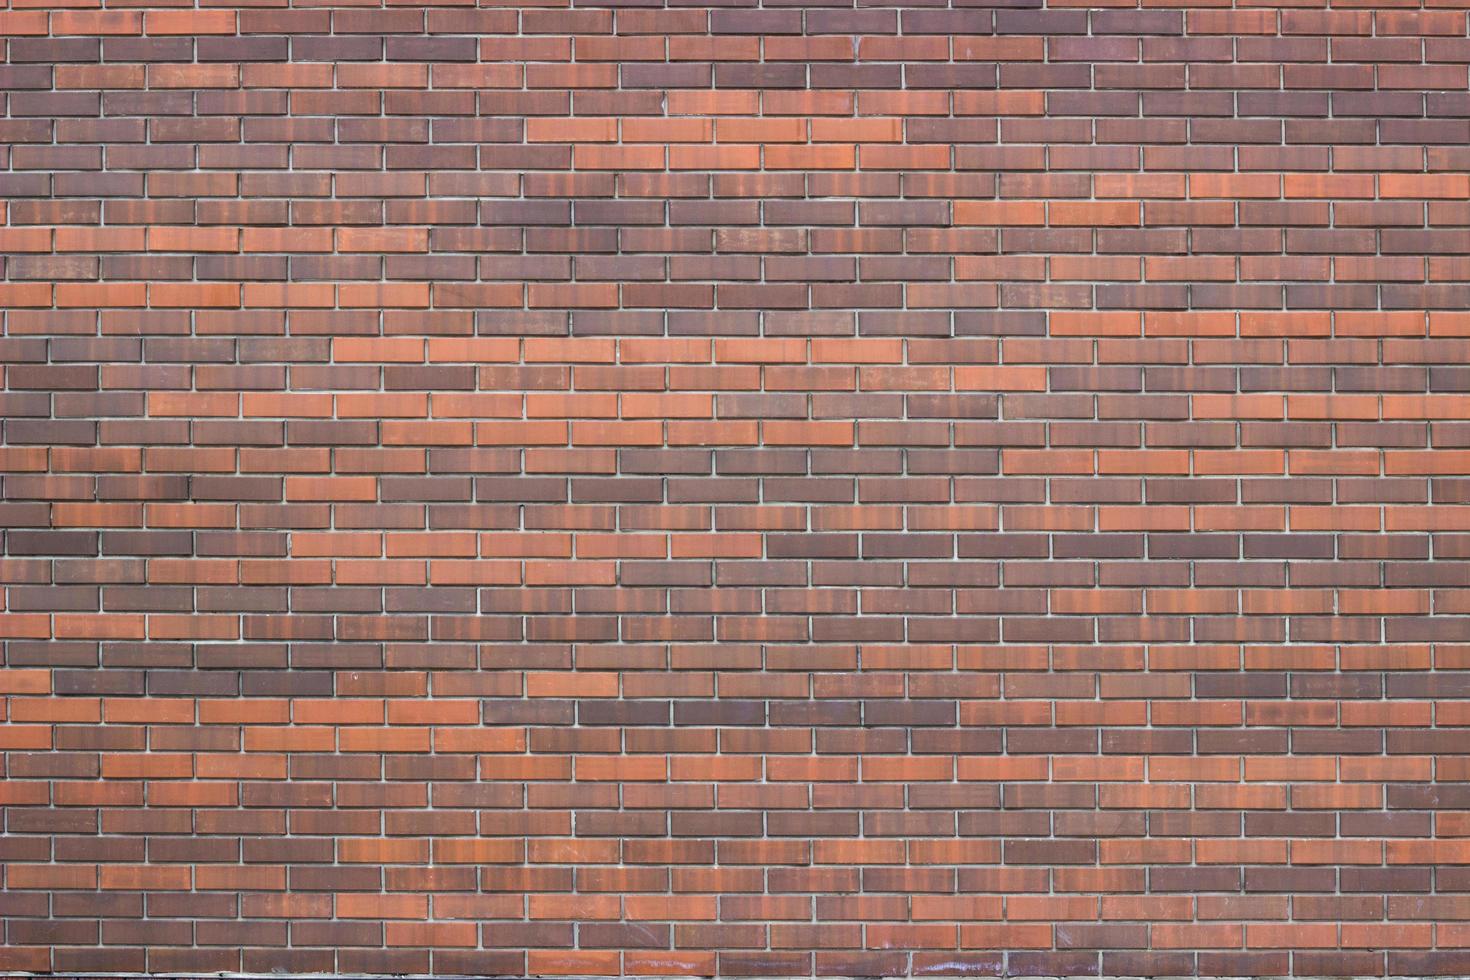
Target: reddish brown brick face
{"points": [[791, 490]]}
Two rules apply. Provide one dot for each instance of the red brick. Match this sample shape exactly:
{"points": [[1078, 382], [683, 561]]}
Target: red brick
{"points": [[734, 491]]}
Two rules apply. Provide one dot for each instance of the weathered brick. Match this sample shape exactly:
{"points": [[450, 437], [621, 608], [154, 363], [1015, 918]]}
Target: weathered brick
{"points": [[734, 490]]}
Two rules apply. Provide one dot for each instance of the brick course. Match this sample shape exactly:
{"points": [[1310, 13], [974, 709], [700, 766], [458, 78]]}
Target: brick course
{"points": [[802, 490]]}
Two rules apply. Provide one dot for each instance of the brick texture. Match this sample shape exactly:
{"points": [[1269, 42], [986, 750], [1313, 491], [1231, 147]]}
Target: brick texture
{"points": [[786, 490]]}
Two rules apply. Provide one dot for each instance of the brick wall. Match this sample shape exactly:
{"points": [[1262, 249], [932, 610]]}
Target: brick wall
{"points": [[790, 490]]}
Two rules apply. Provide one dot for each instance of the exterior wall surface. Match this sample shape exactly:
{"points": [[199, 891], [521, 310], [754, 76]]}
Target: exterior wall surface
{"points": [[785, 490]]}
